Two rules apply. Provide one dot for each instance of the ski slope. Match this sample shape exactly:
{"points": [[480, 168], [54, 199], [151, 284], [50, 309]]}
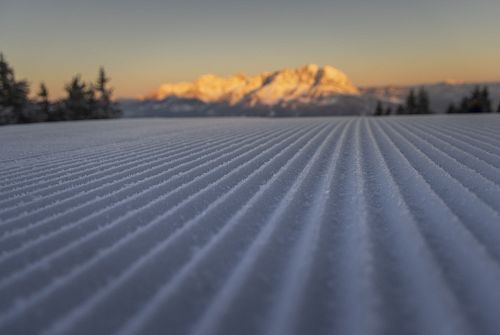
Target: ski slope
{"points": [[251, 226]]}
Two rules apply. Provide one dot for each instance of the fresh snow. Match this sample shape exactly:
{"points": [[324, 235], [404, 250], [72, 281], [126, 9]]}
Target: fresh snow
{"points": [[251, 226]]}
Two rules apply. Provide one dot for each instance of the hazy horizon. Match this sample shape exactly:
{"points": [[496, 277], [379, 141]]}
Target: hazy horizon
{"points": [[143, 45]]}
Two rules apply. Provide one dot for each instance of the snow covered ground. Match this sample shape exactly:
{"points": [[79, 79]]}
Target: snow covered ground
{"points": [[251, 226]]}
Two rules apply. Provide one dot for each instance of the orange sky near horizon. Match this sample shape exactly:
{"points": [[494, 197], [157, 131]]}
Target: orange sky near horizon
{"points": [[143, 45]]}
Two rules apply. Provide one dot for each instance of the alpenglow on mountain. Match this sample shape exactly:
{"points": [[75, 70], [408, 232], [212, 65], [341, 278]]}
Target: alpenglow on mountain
{"points": [[306, 84], [309, 90]]}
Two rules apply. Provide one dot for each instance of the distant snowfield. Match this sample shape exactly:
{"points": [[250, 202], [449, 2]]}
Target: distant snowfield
{"points": [[251, 226]]}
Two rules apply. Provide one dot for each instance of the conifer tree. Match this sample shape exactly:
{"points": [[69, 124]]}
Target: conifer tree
{"points": [[6, 75], [423, 103], [43, 102], [464, 105], [105, 106], [13, 94], [379, 110], [400, 110], [485, 100], [76, 105], [411, 103], [388, 111], [92, 103], [478, 102], [452, 109]]}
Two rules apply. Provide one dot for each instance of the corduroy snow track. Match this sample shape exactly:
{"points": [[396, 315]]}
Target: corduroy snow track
{"points": [[349, 225]]}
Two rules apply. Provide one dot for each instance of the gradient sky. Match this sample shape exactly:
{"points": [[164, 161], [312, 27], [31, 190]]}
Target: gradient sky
{"points": [[145, 43]]}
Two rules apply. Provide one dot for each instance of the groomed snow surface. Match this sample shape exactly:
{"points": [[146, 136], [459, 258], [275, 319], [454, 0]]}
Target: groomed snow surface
{"points": [[251, 226]]}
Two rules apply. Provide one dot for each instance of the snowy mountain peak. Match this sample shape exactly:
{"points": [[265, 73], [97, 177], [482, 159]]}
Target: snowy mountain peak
{"points": [[306, 84]]}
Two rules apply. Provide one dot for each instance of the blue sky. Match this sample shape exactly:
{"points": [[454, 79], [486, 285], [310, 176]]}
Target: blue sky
{"points": [[145, 43]]}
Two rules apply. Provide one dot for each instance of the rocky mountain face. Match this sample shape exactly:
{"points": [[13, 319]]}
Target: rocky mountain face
{"points": [[309, 90], [307, 84]]}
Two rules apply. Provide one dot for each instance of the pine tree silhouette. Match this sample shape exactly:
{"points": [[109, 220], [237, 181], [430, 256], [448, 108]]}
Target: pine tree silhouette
{"points": [[92, 103], [423, 102], [13, 94], [411, 103], [400, 110], [464, 105], [478, 102], [105, 106], [485, 101], [379, 109], [76, 103], [452, 109], [43, 93], [43, 102]]}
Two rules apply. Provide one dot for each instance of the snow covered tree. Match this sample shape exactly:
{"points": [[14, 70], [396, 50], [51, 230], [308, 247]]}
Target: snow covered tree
{"points": [[379, 109]]}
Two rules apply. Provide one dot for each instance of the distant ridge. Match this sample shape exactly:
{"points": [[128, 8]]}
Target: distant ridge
{"points": [[309, 90], [308, 84]]}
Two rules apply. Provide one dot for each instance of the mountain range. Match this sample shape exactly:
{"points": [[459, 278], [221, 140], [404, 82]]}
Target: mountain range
{"points": [[309, 90]]}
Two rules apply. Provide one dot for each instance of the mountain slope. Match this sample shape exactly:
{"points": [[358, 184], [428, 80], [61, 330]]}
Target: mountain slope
{"points": [[305, 84], [309, 90]]}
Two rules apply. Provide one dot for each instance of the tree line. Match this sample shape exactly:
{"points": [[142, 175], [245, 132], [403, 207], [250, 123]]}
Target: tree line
{"points": [[418, 102], [477, 102], [83, 101]]}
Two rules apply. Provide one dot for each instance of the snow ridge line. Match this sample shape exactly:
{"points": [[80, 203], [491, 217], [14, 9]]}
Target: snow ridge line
{"points": [[129, 236], [150, 178], [437, 310], [97, 152], [257, 226], [194, 223], [69, 178], [466, 159], [143, 185], [162, 140], [436, 173], [93, 153], [122, 170], [135, 325], [286, 312], [125, 201], [85, 167], [21, 178], [232, 286], [486, 151], [483, 195], [465, 259]]}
